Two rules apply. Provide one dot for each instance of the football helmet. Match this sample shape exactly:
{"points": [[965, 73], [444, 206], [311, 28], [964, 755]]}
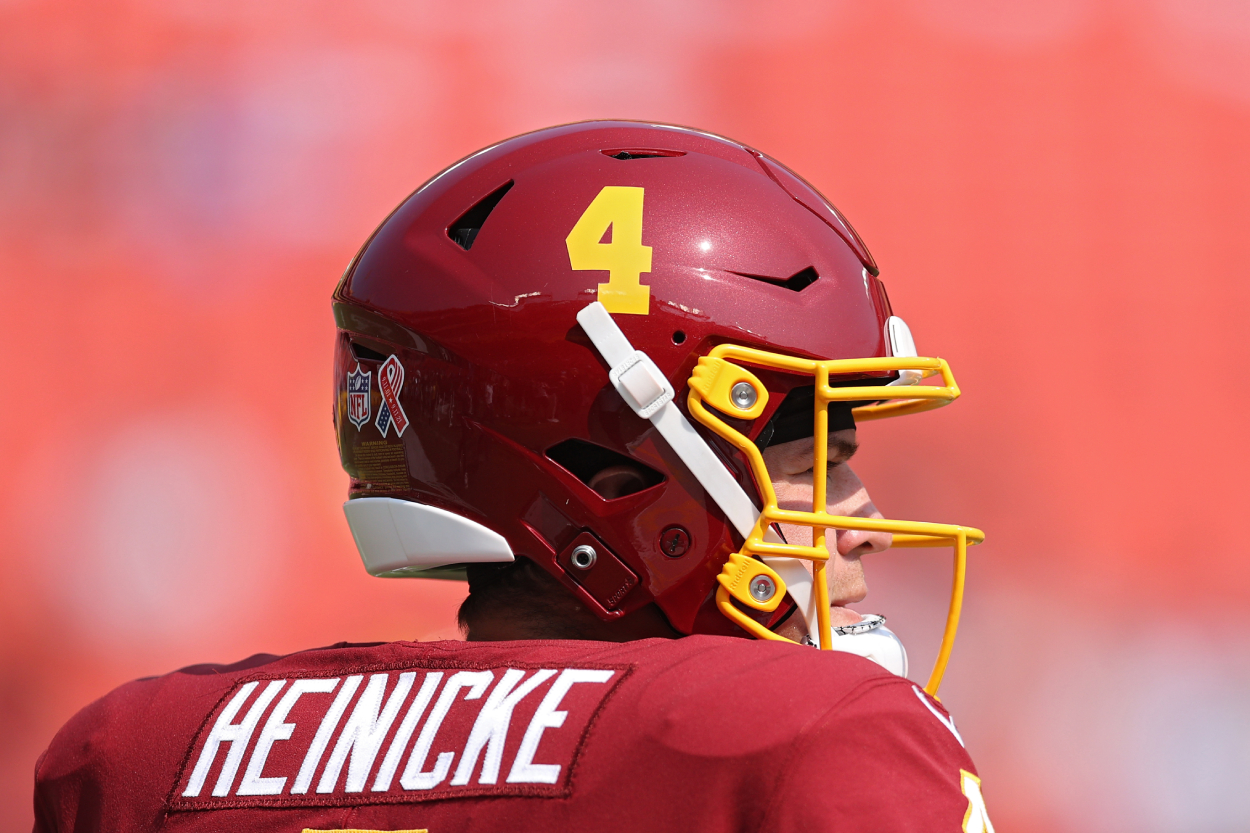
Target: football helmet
{"points": [[572, 346]]}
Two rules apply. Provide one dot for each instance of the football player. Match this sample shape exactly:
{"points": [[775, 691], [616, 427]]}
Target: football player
{"points": [[611, 374]]}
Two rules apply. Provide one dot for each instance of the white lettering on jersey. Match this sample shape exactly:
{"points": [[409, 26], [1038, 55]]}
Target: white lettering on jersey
{"points": [[492, 724], [976, 819], [524, 770], [948, 722], [235, 734], [386, 773], [415, 777], [375, 735], [322, 739], [364, 732], [276, 729]]}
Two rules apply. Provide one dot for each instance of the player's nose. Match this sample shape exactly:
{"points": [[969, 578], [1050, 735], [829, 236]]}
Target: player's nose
{"points": [[851, 499], [853, 543]]}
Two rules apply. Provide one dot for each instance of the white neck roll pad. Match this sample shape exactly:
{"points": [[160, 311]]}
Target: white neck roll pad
{"points": [[399, 537], [879, 645]]}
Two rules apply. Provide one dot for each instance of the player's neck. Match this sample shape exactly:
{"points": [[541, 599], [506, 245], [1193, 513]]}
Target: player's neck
{"points": [[572, 621]]}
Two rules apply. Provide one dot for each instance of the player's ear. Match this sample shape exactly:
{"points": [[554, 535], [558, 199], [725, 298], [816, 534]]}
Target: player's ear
{"points": [[618, 481], [607, 472]]}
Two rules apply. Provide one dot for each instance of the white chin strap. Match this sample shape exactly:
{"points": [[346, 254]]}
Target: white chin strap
{"points": [[645, 389]]}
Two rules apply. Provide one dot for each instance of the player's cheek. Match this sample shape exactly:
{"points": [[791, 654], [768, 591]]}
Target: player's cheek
{"points": [[845, 494]]}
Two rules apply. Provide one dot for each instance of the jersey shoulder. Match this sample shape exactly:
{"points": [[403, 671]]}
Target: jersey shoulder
{"points": [[839, 737], [900, 762], [740, 691]]}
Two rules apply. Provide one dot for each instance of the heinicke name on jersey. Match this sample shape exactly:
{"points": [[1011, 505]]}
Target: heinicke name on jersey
{"points": [[392, 735]]}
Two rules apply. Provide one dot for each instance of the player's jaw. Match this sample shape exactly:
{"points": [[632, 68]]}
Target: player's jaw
{"points": [[790, 467]]}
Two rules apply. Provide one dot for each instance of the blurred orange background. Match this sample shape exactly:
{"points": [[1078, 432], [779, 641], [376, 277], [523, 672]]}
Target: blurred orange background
{"points": [[1058, 195]]}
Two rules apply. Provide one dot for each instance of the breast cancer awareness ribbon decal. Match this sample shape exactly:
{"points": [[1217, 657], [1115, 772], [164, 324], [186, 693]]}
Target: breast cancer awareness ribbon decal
{"points": [[390, 380]]}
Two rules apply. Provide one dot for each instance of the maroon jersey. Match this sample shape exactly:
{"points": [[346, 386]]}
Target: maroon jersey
{"points": [[700, 733]]}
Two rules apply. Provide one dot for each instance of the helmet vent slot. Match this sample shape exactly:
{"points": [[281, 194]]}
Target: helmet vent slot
{"points": [[465, 230], [363, 353], [609, 474], [642, 153], [797, 282]]}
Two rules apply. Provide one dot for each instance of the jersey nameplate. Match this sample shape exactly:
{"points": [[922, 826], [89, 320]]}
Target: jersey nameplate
{"points": [[395, 735]]}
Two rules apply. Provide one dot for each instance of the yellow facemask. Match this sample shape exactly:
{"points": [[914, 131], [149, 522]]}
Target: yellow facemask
{"points": [[721, 381]]}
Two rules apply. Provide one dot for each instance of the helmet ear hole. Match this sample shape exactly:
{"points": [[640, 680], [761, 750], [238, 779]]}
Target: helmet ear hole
{"points": [[611, 475], [618, 481]]}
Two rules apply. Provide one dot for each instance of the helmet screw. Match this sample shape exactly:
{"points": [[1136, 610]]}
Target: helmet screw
{"points": [[763, 588], [674, 542], [744, 395], [583, 557]]}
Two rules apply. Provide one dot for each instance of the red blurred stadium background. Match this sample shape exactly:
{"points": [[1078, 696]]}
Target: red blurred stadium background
{"points": [[1057, 193]]}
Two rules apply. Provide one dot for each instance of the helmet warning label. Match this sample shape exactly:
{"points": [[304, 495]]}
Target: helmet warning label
{"points": [[380, 462], [393, 736]]}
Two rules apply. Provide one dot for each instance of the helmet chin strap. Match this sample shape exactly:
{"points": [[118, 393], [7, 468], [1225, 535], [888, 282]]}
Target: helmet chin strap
{"points": [[646, 390]]}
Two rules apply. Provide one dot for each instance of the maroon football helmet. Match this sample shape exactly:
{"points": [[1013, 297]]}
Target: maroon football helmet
{"points": [[475, 411]]}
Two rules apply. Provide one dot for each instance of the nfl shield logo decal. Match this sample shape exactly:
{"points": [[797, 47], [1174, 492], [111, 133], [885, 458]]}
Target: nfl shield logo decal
{"points": [[358, 396]]}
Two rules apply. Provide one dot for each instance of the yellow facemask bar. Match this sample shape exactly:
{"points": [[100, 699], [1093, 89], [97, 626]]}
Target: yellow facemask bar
{"points": [[719, 380]]}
